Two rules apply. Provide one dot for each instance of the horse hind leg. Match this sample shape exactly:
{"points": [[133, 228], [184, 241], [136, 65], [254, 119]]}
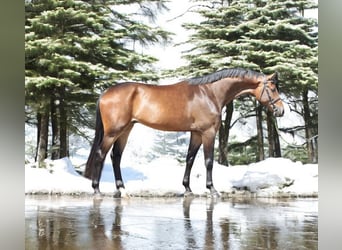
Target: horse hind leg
{"points": [[208, 149], [116, 156], [99, 158], [195, 144]]}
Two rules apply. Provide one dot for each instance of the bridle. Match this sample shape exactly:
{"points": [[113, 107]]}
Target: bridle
{"points": [[272, 101]]}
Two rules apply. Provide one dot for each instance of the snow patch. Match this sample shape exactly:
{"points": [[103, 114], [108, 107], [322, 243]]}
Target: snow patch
{"points": [[163, 176]]}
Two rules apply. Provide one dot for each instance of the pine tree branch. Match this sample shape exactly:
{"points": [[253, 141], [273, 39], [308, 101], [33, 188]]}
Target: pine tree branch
{"points": [[242, 144], [241, 117], [292, 129], [188, 10]]}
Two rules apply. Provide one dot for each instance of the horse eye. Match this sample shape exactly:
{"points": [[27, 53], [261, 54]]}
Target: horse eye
{"points": [[276, 86]]}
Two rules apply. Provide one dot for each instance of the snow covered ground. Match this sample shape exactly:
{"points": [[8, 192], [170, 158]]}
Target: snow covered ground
{"points": [[149, 173], [274, 177]]}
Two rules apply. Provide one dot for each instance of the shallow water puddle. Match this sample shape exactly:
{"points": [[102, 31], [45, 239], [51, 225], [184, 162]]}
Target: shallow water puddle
{"points": [[170, 223]]}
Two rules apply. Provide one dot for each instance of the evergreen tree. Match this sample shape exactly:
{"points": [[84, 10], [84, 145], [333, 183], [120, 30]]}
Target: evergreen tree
{"points": [[283, 40], [265, 36], [74, 50], [171, 143]]}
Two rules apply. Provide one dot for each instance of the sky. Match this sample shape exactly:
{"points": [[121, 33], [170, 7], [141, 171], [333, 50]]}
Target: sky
{"points": [[171, 21]]}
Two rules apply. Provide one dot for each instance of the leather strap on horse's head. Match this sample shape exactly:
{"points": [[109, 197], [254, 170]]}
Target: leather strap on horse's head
{"points": [[266, 89]]}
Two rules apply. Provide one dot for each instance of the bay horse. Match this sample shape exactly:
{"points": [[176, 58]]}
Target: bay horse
{"points": [[193, 105]]}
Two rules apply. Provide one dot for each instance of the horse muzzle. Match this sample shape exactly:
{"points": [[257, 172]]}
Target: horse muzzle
{"points": [[278, 111]]}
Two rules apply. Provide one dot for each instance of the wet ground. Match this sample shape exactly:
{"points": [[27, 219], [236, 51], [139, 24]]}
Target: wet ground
{"points": [[170, 223]]}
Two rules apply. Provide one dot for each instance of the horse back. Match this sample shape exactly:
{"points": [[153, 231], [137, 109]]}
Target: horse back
{"points": [[176, 107]]}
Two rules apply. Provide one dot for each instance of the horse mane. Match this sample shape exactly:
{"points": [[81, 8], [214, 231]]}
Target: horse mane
{"points": [[218, 75]]}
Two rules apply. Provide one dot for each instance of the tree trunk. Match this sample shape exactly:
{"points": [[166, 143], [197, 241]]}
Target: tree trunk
{"points": [[273, 137], [315, 149], [224, 135], [260, 135], [55, 129], [43, 136], [59, 147], [63, 152], [311, 142], [277, 147], [39, 118]]}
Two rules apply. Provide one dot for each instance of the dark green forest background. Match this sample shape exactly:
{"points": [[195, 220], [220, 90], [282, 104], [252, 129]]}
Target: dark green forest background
{"points": [[76, 49]]}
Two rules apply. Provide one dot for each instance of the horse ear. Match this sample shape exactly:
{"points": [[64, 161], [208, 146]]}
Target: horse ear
{"points": [[274, 77]]}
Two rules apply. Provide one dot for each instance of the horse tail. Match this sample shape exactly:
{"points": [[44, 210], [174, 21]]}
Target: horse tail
{"points": [[96, 144]]}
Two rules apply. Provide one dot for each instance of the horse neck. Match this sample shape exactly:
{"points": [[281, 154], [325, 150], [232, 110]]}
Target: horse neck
{"points": [[228, 89]]}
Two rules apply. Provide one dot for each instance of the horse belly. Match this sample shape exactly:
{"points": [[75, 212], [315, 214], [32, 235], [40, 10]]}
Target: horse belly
{"points": [[162, 115]]}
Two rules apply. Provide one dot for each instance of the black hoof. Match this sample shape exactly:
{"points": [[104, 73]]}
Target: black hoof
{"points": [[188, 194], [214, 195], [97, 195], [117, 194]]}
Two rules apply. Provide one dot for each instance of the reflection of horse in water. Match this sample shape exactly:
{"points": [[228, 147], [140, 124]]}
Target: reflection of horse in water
{"points": [[193, 105], [98, 230], [191, 234]]}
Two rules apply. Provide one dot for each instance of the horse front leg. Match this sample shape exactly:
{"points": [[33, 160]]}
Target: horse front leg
{"points": [[194, 145], [208, 140]]}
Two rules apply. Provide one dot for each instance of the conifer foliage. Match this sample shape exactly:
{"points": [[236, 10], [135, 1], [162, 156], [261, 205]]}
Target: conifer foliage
{"points": [[75, 49], [266, 36]]}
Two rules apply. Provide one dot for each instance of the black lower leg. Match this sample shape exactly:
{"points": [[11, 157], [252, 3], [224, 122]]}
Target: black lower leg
{"points": [[116, 159], [194, 145], [96, 176], [209, 182], [95, 186], [186, 179]]}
